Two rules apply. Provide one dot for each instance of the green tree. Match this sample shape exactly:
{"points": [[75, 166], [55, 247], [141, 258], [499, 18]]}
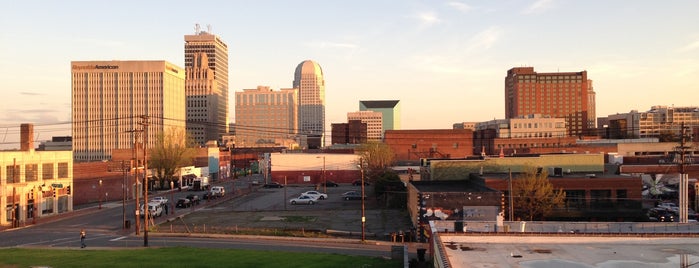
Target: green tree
{"points": [[170, 153], [375, 158], [534, 195]]}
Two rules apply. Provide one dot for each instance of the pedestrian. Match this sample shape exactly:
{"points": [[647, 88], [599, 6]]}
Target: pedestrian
{"points": [[82, 238]]}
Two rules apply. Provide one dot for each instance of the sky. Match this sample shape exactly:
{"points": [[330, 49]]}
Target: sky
{"points": [[444, 60]]}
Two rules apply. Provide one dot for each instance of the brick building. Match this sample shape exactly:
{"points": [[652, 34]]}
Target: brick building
{"points": [[411, 145]]}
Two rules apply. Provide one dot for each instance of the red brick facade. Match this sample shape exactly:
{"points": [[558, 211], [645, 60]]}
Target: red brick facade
{"points": [[430, 143]]}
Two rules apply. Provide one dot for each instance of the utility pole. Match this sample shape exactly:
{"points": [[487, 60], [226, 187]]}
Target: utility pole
{"points": [[684, 178], [144, 124], [137, 189], [509, 185]]}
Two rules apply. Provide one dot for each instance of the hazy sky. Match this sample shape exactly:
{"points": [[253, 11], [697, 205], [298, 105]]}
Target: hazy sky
{"points": [[444, 60]]}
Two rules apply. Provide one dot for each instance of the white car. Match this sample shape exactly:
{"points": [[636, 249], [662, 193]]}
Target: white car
{"points": [[218, 191], [304, 199], [155, 209], [159, 199], [316, 195]]}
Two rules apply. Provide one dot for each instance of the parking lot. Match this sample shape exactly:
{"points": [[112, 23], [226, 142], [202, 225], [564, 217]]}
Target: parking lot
{"points": [[270, 208]]}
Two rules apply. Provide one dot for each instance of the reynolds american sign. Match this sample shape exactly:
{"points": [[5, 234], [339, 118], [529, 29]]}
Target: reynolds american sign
{"points": [[94, 67]]}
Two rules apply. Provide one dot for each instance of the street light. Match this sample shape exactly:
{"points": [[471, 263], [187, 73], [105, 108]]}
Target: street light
{"points": [[361, 169], [99, 195], [325, 183]]}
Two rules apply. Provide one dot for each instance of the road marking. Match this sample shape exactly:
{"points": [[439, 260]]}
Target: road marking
{"points": [[118, 238]]}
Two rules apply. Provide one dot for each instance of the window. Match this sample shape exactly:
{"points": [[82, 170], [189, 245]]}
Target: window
{"points": [[12, 174], [47, 171], [62, 170], [31, 172]]}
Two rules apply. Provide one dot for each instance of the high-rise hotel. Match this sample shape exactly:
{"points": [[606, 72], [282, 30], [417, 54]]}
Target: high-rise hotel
{"points": [[206, 64], [308, 79], [566, 95], [110, 97]]}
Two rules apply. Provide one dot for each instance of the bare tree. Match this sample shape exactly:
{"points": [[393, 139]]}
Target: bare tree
{"points": [[534, 195], [171, 152], [376, 157]]}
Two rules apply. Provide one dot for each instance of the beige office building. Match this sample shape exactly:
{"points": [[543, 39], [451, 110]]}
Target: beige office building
{"points": [[266, 118], [206, 64], [34, 184], [374, 123], [109, 99]]}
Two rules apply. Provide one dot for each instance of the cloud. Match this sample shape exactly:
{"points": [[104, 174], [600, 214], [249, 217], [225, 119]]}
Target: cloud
{"points": [[460, 6], [485, 39], [427, 19], [538, 7], [30, 94], [689, 47]]}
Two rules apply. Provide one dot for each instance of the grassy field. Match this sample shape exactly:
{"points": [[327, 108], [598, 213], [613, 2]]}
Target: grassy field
{"points": [[180, 257]]}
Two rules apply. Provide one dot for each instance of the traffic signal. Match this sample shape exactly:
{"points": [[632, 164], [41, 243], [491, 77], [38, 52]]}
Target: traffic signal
{"points": [[68, 190], [54, 193]]}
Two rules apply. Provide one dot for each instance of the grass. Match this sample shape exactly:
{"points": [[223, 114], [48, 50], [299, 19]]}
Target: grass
{"points": [[181, 257]]}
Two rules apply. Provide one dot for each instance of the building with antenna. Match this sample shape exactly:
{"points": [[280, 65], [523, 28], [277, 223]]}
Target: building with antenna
{"points": [[109, 97], [308, 79], [266, 118], [206, 65]]}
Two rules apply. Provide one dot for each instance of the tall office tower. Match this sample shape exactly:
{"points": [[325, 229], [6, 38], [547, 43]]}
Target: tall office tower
{"points": [[566, 95], [266, 118], [390, 110], [206, 101], [373, 120], [203, 99], [308, 79], [109, 98]]}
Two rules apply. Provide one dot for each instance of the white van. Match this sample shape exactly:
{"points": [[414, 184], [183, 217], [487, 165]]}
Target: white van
{"points": [[218, 191], [155, 209]]}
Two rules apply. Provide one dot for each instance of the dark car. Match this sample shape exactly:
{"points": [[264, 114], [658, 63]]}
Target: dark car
{"points": [[194, 199], [352, 195], [273, 184], [359, 182], [661, 214], [330, 184], [183, 203]]}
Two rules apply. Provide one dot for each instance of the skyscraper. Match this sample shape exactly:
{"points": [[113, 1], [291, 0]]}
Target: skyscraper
{"points": [[207, 98], [566, 95], [266, 118], [308, 79], [109, 98]]}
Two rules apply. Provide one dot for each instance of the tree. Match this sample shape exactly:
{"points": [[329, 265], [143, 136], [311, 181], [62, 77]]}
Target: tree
{"points": [[534, 195], [376, 158], [170, 153]]}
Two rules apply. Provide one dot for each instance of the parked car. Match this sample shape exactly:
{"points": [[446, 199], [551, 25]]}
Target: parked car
{"points": [[359, 182], [218, 191], [194, 199], [155, 209], [183, 203], [304, 199], [669, 206], [661, 215], [330, 184], [352, 195], [315, 194], [273, 184], [159, 199]]}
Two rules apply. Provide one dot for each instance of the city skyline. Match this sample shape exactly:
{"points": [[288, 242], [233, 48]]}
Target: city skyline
{"points": [[445, 61]]}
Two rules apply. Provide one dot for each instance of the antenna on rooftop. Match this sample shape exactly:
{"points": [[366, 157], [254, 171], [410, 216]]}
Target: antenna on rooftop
{"points": [[197, 28], [208, 28]]}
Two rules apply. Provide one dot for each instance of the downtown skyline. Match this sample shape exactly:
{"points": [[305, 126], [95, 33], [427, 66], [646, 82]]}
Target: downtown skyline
{"points": [[446, 61]]}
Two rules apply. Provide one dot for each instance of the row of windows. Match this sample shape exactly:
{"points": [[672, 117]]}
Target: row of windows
{"points": [[31, 172]]}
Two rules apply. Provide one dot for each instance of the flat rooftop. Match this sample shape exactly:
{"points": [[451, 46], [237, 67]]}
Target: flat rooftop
{"points": [[534, 251]]}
